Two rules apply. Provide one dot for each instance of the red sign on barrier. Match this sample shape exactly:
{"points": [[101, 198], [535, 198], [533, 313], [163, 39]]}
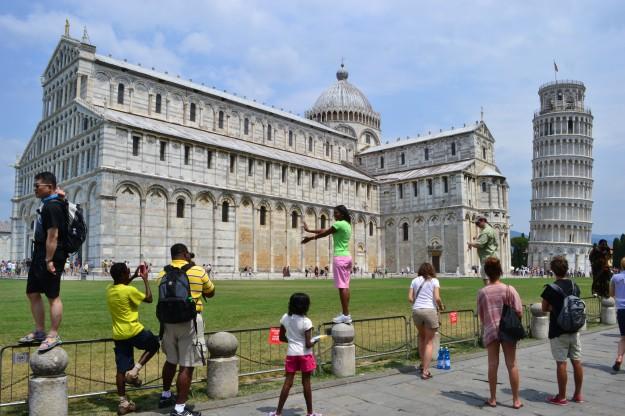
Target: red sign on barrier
{"points": [[274, 335], [453, 318]]}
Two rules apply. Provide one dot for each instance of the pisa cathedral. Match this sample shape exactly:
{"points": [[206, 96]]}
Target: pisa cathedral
{"points": [[154, 159]]}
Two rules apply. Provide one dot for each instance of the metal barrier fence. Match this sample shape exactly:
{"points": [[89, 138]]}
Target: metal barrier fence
{"points": [[593, 308], [374, 337], [91, 369]]}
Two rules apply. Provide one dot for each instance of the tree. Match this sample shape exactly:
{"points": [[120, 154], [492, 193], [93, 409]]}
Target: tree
{"points": [[519, 251]]}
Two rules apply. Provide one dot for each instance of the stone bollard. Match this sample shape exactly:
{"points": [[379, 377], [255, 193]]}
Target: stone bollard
{"points": [[343, 351], [222, 379], [47, 388], [539, 326], [608, 311]]}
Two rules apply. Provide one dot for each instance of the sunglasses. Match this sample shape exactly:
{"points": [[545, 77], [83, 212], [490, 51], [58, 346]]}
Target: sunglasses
{"points": [[37, 185]]}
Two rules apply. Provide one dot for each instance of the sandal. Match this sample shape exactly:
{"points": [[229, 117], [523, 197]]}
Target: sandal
{"points": [[518, 406], [616, 366], [35, 337], [49, 343], [489, 404], [426, 375]]}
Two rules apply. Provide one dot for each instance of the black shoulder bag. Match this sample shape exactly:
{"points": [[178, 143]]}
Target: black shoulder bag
{"points": [[510, 326]]}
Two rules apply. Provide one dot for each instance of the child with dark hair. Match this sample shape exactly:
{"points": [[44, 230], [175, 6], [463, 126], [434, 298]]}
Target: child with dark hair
{"points": [[296, 329], [123, 303]]}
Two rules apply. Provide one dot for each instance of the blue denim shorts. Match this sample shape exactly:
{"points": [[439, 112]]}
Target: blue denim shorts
{"points": [[124, 349]]}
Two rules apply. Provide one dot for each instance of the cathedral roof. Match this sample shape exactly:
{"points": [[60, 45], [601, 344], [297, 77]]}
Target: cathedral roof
{"points": [[342, 96], [220, 141], [215, 92], [412, 140], [490, 171], [425, 172]]}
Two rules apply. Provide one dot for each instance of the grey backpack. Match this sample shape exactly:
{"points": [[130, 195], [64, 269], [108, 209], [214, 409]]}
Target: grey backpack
{"points": [[573, 314]]}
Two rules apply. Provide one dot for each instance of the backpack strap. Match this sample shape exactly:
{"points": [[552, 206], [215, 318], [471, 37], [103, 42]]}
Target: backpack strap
{"points": [[558, 289]]}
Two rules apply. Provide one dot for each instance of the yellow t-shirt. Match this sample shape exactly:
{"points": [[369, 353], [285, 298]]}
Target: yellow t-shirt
{"points": [[199, 282], [123, 303]]}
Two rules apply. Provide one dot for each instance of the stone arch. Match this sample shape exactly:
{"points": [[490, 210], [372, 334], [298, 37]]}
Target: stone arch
{"points": [[126, 186], [205, 196]]}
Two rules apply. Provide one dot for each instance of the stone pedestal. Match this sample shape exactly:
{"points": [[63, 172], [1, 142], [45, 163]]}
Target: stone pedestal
{"points": [[223, 366], [343, 351], [539, 327], [48, 385], [608, 311]]}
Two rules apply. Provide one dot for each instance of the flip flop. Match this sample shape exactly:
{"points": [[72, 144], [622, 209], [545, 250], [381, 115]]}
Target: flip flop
{"points": [[517, 407], [489, 404], [35, 337], [426, 376], [49, 343]]}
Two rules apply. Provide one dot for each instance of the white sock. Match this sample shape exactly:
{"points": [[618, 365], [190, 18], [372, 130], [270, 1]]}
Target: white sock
{"points": [[138, 367], [166, 394], [179, 408]]}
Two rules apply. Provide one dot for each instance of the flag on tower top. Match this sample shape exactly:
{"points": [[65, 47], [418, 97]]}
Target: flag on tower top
{"points": [[555, 66]]}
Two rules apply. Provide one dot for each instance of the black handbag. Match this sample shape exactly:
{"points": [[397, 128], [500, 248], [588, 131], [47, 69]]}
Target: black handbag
{"points": [[510, 326]]}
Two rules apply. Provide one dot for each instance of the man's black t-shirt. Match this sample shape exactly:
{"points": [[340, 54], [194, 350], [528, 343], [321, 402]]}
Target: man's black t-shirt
{"points": [[53, 215], [556, 301]]}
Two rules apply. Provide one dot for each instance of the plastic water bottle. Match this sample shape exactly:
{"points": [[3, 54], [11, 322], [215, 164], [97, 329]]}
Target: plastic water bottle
{"points": [[440, 362], [447, 359]]}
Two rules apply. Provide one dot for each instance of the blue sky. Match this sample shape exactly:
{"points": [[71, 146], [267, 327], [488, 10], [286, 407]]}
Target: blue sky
{"points": [[424, 65]]}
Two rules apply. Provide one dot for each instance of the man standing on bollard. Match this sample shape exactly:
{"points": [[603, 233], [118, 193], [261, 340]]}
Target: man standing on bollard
{"points": [[48, 261], [183, 343], [486, 244]]}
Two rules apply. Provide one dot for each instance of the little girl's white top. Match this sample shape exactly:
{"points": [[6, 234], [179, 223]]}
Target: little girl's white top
{"points": [[425, 300], [296, 326]]}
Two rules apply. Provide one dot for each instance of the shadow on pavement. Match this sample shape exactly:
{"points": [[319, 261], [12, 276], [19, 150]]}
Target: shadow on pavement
{"points": [[467, 397]]}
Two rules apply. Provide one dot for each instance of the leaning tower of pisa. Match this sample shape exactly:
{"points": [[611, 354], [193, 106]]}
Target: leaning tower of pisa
{"points": [[561, 221]]}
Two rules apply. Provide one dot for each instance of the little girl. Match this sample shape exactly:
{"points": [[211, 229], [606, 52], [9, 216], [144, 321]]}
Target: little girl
{"points": [[296, 329]]}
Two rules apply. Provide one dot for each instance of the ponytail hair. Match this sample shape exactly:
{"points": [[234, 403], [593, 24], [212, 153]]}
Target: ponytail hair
{"points": [[344, 213]]}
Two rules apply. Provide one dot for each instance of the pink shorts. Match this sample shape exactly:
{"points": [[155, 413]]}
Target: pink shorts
{"points": [[303, 363], [341, 268]]}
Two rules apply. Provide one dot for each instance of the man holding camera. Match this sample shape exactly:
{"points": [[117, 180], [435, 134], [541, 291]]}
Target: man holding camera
{"points": [[183, 343]]}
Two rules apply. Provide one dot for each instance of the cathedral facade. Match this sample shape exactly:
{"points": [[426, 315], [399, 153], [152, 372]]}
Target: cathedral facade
{"points": [[154, 159]]}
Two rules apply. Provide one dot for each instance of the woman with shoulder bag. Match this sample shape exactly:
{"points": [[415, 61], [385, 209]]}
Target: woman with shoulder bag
{"points": [[424, 296], [490, 305]]}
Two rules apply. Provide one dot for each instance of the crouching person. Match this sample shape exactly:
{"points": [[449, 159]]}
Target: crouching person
{"points": [[128, 333]]}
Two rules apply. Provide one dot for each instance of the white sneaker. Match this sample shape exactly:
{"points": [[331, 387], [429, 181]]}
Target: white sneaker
{"points": [[342, 319]]}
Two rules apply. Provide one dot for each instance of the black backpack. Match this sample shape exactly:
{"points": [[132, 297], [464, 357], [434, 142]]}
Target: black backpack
{"points": [[175, 303], [75, 234], [573, 313]]}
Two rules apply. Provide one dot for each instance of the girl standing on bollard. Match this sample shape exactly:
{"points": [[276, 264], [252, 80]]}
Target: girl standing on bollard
{"points": [[490, 301], [296, 329], [617, 291], [424, 296], [341, 232]]}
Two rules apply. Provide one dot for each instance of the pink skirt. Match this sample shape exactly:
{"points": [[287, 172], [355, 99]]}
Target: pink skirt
{"points": [[342, 268]]}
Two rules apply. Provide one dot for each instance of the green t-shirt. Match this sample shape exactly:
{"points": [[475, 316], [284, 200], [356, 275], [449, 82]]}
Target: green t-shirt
{"points": [[488, 243], [340, 237]]}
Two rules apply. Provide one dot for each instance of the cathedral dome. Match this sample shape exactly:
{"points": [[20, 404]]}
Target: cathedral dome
{"points": [[342, 96], [343, 101]]}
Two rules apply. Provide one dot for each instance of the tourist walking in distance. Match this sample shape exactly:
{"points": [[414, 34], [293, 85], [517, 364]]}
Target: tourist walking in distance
{"points": [[424, 296], [486, 244], [617, 291], [123, 302], [296, 329], [564, 345], [48, 261], [341, 232], [490, 301], [183, 343]]}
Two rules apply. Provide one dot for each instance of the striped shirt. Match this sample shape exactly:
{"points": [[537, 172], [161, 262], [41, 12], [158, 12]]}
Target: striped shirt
{"points": [[490, 300], [199, 282]]}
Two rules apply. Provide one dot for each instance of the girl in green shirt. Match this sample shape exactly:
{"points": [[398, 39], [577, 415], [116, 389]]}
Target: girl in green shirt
{"points": [[341, 232]]}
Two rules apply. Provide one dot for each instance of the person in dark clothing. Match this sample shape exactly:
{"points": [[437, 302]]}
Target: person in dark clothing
{"points": [[48, 261], [563, 345], [601, 266]]}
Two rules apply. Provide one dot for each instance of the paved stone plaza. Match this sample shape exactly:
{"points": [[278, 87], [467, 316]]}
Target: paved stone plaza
{"points": [[460, 391]]}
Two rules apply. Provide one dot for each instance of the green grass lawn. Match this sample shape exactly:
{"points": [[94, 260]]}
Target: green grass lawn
{"points": [[245, 304]]}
